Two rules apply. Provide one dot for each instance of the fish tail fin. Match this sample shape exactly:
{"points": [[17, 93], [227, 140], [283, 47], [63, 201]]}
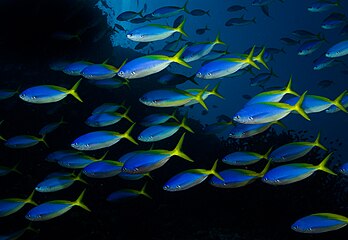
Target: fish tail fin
{"points": [[122, 105], [173, 115], [42, 139], [123, 63], [185, 7], [214, 172], [265, 156], [184, 124], [79, 178], [298, 107], [62, 121], [30, 228], [125, 115], [79, 202], [259, 58], [104, 155], [177, 150], [192, 79], [199, 97], [15, 168], [148, 175], [73, 92], [215, 91], [250, 59], [128, 136], [180, 28], [253, 20], [318, 144], [30, 198], [177, 57], [322, 166], [218, 40], [142, 191], [288, 88], [2, 138], [279, 123], [338, 102], [126, 82], [263, 172]]}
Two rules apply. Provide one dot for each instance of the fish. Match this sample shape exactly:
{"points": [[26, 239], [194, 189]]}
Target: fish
{"points": [[234, 178], [65, 36], [325, 84], [198, 50], [249, 130], [57, 155], [273, 95], [100, 71], [223, 67], [199, 12], [108, 107], [261, 78], [78, 161], [319, 223], [24, 141], [324, 62], [7, 93], [56, 183], [168, 11], [294, 172], [163, 131], [150, 64], [171, 97], [175, 79], [218, 127], [294, 150], [100, 139], [139, 162], [51, 127], [314, 103], [6, 170], [338, 50], [344, 169], [75, 68], [241, 21], [290, 41], [304, 34], [262, 2], [323, 5], [55, 208], [154, 32], [309, 47], [265, 112], [127, 193], [128, 15], [235, 8], [141, 45], [138, 20], [48, 93], [111, 83], [245, 158], [103, 169], [107, 118], [18, 234], [9, 206], [334, 20], [201, 31], [190, 178], [158, 118]]}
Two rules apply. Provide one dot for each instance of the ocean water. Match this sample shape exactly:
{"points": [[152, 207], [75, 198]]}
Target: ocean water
{"points": [[40, 36]]}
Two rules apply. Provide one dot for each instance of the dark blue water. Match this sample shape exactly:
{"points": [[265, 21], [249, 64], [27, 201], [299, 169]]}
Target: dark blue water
{"points": [[257, 211]]}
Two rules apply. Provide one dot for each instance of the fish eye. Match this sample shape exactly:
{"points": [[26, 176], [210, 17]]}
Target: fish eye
{"points": [[237, 117], [133, 73], [243, 133], [120, 73], [209, 74], [165, 187], [141, 36], [129, 35], [250, 118], [136, 169], [177, 186]]}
